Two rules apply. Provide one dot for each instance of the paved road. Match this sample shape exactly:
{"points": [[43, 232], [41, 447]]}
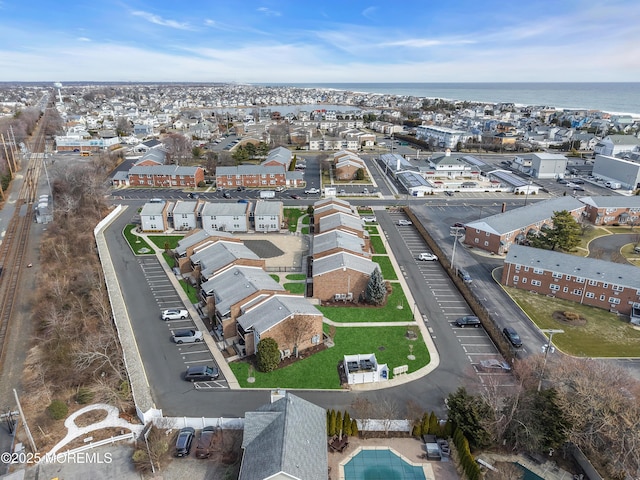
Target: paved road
{"points": [[608, 247]]}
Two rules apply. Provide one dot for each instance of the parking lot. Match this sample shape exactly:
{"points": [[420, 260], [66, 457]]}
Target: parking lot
{"points": [[445, 299], [166, 297]]}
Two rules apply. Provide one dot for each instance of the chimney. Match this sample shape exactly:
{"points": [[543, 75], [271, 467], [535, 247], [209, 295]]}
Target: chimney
{"points": [[504, 207]]}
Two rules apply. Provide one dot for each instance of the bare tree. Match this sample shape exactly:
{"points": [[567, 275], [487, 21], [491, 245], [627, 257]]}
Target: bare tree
{"points": [[296, 330], [386, 411], [178, 148], [363, 410]]}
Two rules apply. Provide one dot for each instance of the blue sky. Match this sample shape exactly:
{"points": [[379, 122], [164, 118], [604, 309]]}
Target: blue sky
{"points": [[282, 41]]}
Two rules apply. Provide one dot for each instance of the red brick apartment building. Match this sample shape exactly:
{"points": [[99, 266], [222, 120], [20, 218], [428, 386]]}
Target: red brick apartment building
{"points": [[251, 176], [589, 281], [165, 176], [498, 233], [614, 209]]}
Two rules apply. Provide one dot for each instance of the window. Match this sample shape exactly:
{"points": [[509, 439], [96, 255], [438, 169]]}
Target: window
{"points": [[590, 295], [556, 275], [524, 279], [602, 297], [526, 269], [605, 285], [475, 240], [486, 244], [538, 271], [315, 339], [593, 283], [568, 277], [517, 268], [576, 291], [565, 289], [536, 283], [614, 300], [516, 278], [554, 287], [617, 288], [152, 217]]}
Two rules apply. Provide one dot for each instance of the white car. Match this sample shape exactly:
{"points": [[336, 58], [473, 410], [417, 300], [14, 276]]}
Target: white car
{"points": [[404, 223], [174, 314], [428, 257], [186, 336], [370, 219], [312, 191]]}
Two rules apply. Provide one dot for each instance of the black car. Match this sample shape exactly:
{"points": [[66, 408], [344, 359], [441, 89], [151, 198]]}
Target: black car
{"points": [[226, 195], [512, 336], [183, 442], [468, 320], [201, 373], [448, 193], [578, 182]]}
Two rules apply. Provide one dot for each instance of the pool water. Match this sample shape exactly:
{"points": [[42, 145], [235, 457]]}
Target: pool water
{"points": [[381, 465], [528, 474]]}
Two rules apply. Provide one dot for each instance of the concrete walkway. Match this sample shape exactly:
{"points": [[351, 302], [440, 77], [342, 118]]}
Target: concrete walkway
{"points": [[111, 420]]}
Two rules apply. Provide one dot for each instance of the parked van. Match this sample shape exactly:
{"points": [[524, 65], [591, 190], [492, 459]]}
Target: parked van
{"points": [[464, 275], [613, 185]]}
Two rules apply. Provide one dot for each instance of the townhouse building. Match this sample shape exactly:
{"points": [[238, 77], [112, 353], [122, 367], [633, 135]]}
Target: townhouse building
{"points": [[341, 221], [597, 283], [154, 217], [443, 137], [183, 215], [329, 206], [217, 255], [252, 176], [228, 217], [166, 176], [616, 145], [267, 216], [498, 233], [612, 210], [193, 242], [347, 164], [279, 156], [291, 320], [341, 276], [230, 291], [335, 241]]}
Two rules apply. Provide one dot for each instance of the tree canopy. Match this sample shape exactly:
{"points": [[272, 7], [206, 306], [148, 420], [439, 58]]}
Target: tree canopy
{"points": [[564, 235]]}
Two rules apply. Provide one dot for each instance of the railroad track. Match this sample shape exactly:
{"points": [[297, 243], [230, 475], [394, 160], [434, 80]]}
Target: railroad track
{"points": [[16, 239]]}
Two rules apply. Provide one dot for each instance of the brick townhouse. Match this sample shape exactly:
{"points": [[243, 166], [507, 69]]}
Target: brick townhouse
{"points": [[589, 281], [165, 176], [614, 209], [251, 176], [498, 233]]}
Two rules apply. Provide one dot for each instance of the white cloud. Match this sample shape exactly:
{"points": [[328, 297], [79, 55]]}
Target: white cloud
{"points": [[425, 42], [156, 19], [83, 39], [268, 12], [369, 12]]}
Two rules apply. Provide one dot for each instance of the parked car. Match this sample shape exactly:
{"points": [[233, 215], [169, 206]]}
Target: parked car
{"points": [[404, 222], [464, 275], [279, 188], [428, 257], [512, 336], [448, 193], [295, 197], [187, 336], [312, 191], [468, 320], [201, 373], [578, 188], [562, 181], [458, 225], [226, 195], [370, 219], [183, 442], [495, 365], [174, 314], [206, 442], [578, 182]]}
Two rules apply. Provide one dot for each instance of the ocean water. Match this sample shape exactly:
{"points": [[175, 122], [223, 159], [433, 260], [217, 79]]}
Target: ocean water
{"points": [[606, 97]]}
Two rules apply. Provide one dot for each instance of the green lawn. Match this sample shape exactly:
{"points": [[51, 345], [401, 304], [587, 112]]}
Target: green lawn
{"points": [[191, 292], [306, 220], [291, 216], [275, 277], [388, 313], [388, 273], [166, 241], [137, 244], [372, 229], [378, 246], [304, 230], [320, 370], [295, 288], [170, 260], [604, 334], [296, 276]]}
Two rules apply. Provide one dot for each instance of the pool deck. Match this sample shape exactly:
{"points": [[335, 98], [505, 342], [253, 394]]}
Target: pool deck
{"points": [[410, 449], [548, 470]]}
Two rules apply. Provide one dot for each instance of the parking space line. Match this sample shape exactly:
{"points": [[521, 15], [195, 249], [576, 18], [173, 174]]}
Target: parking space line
{"points": [[206, 360], [191, 353]]}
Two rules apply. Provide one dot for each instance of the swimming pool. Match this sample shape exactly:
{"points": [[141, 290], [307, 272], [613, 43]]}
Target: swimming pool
{"points": [[380, 464]]}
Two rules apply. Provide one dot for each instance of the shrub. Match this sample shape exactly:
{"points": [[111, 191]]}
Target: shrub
{"points": [[84, 395], [268, 355], [57, 409], [571, 316]]}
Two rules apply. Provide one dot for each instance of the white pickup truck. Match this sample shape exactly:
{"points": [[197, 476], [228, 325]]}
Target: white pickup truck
{"points": [[312, 191]]}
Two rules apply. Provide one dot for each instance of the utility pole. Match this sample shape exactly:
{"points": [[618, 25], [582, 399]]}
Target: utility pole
{"points": [[24, 422], [550, 331], [455, 242]]}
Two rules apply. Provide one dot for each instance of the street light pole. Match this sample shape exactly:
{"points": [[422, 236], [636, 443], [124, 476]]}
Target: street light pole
{"points": [[455, 241], [526, 197], [550, 331]]}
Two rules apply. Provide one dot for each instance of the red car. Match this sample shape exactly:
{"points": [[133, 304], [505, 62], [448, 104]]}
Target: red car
{"points": [[295, 197]]}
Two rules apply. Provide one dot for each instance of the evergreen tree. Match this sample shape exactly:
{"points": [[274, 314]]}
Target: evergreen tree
{"points": [[376, 290], [267, 355], [332, 423], [434, 426], [564, 235], [470, 413], [346, 424], [354, 427], [338, 423]]}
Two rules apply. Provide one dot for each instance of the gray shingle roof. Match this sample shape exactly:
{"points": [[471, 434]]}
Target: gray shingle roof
{"points": [[236, 283], [588, 268], [288, 435], [163, 170], [267, 208], [340, 220], [337, 239], [225, 209], [182, 206], [274, 310], [249, 170], [196, 237], [152, 208], [220, 254], [612, 201], [531, 214], [340, 260]]}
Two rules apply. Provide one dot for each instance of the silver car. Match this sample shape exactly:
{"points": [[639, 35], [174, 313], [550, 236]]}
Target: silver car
{"points": [[174, 314], [187, 336]]}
